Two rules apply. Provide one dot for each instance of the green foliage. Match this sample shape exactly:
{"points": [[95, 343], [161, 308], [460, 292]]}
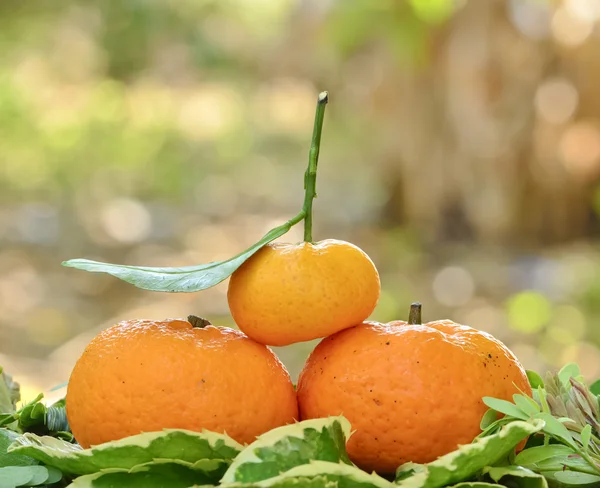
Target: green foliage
{"points": [[125, 454], [36, 417], [13, 476], [283, 448], [155, 474], [468, 460], [570, 453], [7, 437], [312, 453]]}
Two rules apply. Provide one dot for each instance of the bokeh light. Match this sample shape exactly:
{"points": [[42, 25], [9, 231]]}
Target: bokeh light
{"points": [[461, 151], [528, 311], [453, 286], [580, 149], [556, 100], [570, 29]]}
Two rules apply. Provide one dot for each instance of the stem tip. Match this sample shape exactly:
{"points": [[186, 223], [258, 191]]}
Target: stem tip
{"points": [[198, 322], [323, 97], [414, 316]]}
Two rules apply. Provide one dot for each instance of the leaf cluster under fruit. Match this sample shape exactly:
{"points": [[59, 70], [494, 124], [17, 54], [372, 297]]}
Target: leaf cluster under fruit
{"points": [[309, 454], [568, 451], [38, 418], [560, 422]]}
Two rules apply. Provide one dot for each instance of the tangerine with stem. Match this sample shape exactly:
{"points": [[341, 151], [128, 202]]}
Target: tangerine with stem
{"points": [[287, 293], [143, 375], [411, 391]]}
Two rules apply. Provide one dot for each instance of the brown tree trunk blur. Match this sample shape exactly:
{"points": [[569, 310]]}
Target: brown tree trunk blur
{"points": [[477, 162]]}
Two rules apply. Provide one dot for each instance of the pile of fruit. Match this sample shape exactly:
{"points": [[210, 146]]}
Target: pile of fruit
{"points": [[180, 403]]}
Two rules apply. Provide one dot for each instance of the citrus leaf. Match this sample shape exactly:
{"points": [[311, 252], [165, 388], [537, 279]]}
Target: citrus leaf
{"points": [[469, 459], [537, 454], [516, 476], [183, 279], [285, 447], [535, 379], [505, 407], [7, 437], [131, 451], [58, 387], [156, 474], [320, 474], [579, 479]]}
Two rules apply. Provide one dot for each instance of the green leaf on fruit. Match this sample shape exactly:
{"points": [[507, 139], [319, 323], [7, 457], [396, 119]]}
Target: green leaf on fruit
{"points": [[183, 279], [286, 447], [516, 476], [286, 482], [155, 474], [169, 444], [319, 474], [7, 437], [470, 459]]}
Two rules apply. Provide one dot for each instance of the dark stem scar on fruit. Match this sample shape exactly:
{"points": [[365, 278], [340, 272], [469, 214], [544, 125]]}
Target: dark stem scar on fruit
{"points": [[198, 322], [414, 316]]}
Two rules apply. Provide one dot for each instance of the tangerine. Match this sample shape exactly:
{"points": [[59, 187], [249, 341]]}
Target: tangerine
{"points": [[287, 293], [144, 375], [412, 392]]}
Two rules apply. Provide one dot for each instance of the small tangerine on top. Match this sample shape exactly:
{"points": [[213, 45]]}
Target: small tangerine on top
{"points": [[289, 293]]}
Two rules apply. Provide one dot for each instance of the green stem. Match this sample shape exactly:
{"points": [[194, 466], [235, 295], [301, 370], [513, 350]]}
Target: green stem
{"points": [[310, 176], [587, 457]]}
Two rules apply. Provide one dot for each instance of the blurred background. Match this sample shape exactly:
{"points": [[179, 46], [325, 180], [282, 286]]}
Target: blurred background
{"points": [[461, 151]]}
